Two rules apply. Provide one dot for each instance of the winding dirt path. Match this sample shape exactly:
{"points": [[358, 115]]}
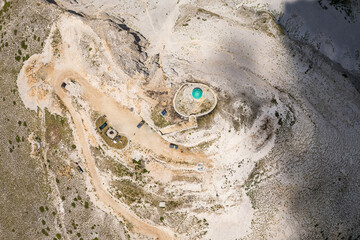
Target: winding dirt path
{"points": [[123, 120], [139, 226]]}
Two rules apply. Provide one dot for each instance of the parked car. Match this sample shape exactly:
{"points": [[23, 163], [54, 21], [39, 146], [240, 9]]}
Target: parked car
{"points": [[63, 85], [174, 146], [103, 126], [140, 124], [163, 112], [117, 138], [80, 170]]}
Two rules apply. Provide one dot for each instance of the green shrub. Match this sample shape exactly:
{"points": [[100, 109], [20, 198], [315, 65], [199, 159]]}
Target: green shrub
{"points": [[44, 232], [23, 45]]}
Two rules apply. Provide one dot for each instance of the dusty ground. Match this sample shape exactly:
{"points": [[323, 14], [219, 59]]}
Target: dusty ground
{"points": [[279, 151]]}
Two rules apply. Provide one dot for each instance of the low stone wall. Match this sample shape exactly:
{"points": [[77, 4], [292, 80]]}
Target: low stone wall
{"points": [[192, 123], [193, 106]]}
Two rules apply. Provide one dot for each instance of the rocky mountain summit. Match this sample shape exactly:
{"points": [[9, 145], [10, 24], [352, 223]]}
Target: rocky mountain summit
{"points": [[230, 125]]}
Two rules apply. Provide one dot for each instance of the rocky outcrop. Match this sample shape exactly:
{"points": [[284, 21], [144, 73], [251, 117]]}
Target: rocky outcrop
{"points": [[126, 45]]}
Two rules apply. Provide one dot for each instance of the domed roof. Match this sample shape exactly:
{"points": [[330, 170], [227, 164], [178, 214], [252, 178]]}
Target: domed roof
{"points": [[197, 93], [194, 99]]}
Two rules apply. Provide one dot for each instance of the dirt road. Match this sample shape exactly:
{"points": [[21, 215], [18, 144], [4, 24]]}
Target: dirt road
{"points": [[123, 120], [103, 195]]}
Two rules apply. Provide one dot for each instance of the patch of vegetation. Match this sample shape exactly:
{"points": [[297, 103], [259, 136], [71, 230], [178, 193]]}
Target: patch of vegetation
{"points": [[205, 145], [23, 45], [211, 14], [139, 166], [206, 121], [123, 141], [44, 232], [18, 22], [120, 170], [159, 119], [57, 129], [56, 38], [131, 192], [5, 8]]}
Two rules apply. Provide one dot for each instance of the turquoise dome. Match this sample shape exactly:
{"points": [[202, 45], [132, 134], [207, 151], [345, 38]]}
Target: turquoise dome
{"points": [[197, 93]]}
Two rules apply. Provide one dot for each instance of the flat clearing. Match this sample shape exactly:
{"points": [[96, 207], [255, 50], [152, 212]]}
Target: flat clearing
{"points": [[120, 144]]}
